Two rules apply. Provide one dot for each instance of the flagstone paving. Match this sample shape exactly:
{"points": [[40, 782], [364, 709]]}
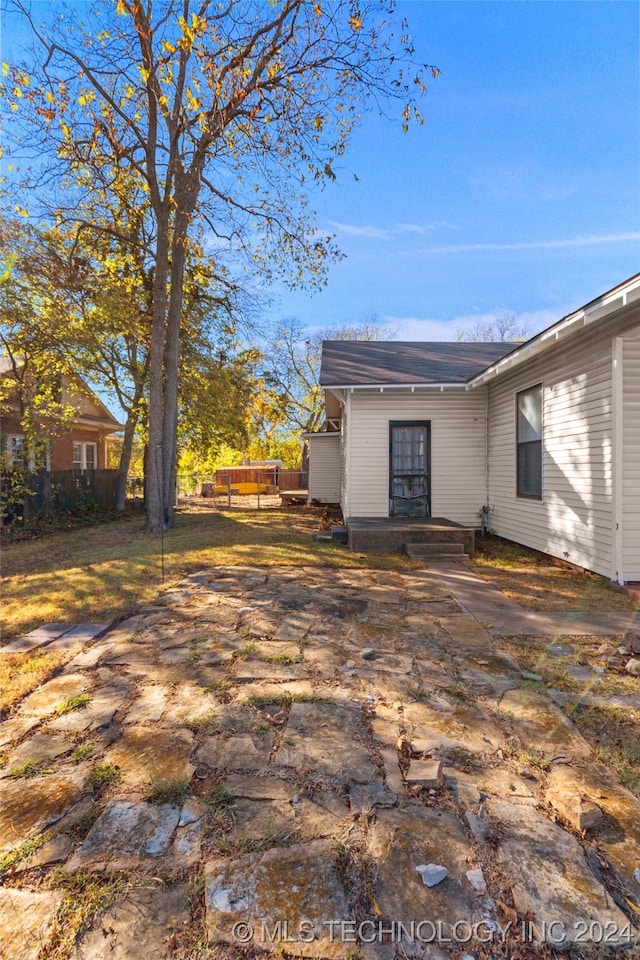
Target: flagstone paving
{"points": [[284, 761]]}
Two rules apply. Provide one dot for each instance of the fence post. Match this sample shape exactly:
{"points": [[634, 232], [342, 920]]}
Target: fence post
{"points": [[258, 489], [229, 491]]}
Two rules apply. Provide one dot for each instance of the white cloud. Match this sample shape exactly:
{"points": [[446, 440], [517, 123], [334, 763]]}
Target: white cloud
{"points": [[537, 244], [365, 230], [429, 328], [423, 229]]}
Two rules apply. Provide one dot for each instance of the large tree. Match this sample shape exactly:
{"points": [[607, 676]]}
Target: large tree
{"points": [[80, 303], [504, 328], [33, 360], [218, 112]]}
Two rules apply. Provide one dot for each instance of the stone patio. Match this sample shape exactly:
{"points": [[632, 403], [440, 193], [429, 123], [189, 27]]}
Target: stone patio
{"points": [[280, 759]]}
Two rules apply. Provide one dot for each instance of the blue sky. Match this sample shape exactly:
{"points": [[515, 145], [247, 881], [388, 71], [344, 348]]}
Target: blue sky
{"points": [[521, 192]]}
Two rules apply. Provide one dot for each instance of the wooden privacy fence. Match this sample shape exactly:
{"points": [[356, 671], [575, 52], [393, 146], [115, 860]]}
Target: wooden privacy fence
{"points": [[26, 496]]}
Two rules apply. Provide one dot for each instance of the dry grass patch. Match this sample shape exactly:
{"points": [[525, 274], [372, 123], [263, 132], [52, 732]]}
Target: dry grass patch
{"points": [[539, 582], [20, 673], [615, 734], [107, 571]]}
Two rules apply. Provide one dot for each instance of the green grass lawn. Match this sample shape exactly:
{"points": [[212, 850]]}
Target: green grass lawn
{"points": [[105, 571]]}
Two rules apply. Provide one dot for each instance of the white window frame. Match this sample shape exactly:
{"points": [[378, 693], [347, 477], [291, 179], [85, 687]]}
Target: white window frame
{"points": [[84, 445], [11, 461], [29, 463], [536, 444]]}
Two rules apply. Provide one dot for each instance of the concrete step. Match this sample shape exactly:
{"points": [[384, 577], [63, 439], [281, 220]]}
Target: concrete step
{"points": [[433, 547], [339, 532], [432, 557], [436, 551], [388, 534]]}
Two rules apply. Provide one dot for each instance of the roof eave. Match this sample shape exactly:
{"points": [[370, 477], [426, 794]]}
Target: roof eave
{"points": [[460, 385]]}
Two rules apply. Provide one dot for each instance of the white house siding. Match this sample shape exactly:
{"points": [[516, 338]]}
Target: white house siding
{"points": [[458, 450], [631, 457], [574, 519], [324, 467]]}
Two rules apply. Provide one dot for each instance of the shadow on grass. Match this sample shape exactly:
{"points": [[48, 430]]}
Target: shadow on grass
{"points": [[106, 572]]}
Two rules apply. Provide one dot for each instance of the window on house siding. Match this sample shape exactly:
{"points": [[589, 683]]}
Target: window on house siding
{"points": [[529, 413]]}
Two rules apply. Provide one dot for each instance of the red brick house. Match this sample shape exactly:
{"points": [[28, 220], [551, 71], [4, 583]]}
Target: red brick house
{"points": [[77, 441]]}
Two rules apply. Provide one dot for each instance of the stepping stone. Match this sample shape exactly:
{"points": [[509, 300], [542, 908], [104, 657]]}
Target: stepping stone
{"points": [[188, 703], [571, 802], [98, 713], [465, 633], [39, 637], [619, 836], [15, 728], [149, 704], [276, 692], [401, 840], [328, 739], [29, 807], [27, 920], [364, 798], [503, 783], [425, 773], [244, 752], [144, 925], [92, 655], [81, 635], [382, 595], [467, 727], [537, 721], [294, 627], [43, 748], [25, 645], [258, 788], [582, 674], [463, 785], [55, 850], [298, 886], [550, 879], [53, 693], [146, 758], [137, 835], [259, 670]]}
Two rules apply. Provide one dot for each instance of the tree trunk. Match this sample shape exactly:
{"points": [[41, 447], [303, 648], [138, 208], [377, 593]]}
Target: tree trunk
{"points": [[171, 364], [125, 457], [154, 479], [304, 459]]}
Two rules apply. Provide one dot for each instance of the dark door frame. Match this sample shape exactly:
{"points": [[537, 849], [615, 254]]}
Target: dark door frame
{"points": [[412, 423]]}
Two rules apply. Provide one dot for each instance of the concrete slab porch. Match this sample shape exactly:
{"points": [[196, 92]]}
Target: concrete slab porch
{"points": [[389, 534]]}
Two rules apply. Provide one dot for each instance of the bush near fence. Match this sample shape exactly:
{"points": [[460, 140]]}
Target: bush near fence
{"points": [[26, 496]]}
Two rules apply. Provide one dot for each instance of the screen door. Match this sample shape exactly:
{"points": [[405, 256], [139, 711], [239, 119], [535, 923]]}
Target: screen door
{"points": [[409, 481]]}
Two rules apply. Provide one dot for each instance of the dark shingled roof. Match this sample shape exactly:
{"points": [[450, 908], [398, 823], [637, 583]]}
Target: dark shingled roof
{"points": [[366, 362]]}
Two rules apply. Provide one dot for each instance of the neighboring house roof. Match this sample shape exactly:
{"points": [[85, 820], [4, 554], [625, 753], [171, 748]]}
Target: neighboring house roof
{"points": [[99, 416], [351, 363], [6, 364]]}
